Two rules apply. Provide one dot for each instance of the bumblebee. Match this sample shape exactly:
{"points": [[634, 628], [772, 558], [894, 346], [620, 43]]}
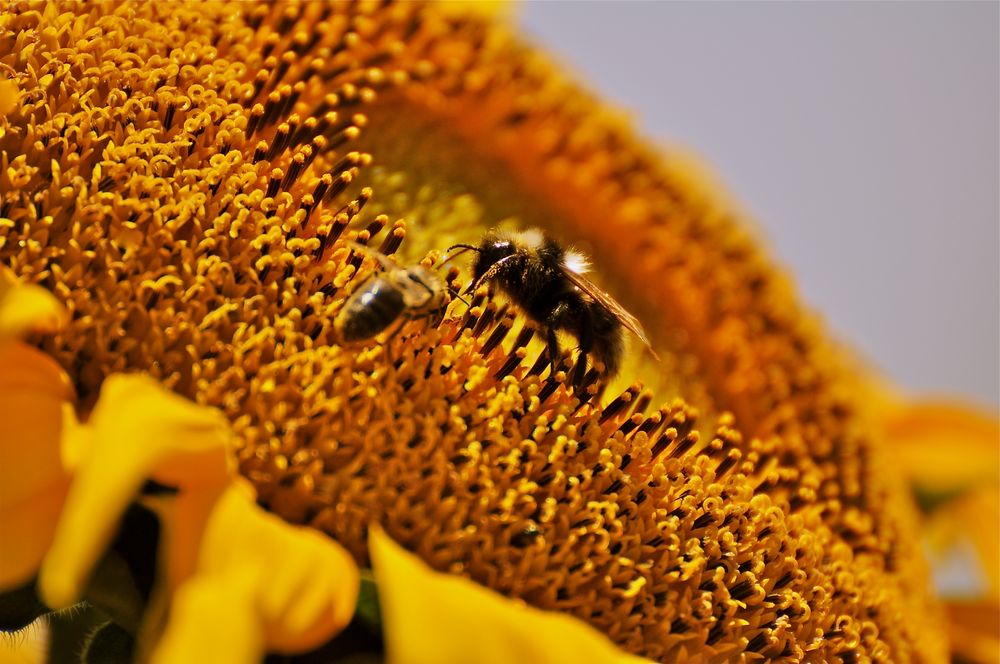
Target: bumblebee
{"points": [[397, 293], [546, 281]]}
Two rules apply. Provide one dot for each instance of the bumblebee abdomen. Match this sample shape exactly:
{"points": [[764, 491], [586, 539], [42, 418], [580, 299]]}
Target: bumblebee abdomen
{"points": [[608, 337], [370, 310]]}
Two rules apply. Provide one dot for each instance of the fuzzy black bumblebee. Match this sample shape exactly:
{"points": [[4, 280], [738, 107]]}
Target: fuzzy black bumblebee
{"points": [[397, 293], [545, 280]]}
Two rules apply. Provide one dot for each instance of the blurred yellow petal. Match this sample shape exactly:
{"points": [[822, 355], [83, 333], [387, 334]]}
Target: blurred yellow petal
{"points": [[307, 583], [944, 447], [139, 430], [33, 390], [970, 522], [27, 308], [301, 585], [28, 529], [950, 453], [436, 618], [975, 631], [212, 619]]}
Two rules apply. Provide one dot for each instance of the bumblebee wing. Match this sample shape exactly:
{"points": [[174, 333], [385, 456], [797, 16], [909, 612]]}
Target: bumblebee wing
{"points": [[630, 322]]}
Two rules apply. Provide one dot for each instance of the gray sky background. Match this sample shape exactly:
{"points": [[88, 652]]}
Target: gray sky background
{"points": [[862, 136]]}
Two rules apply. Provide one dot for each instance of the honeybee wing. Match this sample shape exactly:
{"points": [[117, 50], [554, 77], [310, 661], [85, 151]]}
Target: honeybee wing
{"points": [[419, 286], [630, 322], [387, 263]]}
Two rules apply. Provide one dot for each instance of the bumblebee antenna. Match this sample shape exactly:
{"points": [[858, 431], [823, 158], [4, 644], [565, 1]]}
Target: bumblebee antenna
{"points": [[464, 248], [467, 247]]}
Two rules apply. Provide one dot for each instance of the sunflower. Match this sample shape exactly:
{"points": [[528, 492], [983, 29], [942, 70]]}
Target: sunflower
{"points": [[189, 196]]}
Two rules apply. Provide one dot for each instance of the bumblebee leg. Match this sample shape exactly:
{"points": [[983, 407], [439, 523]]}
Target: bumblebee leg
{"points": [[586, 344], [552, 349], [555, 319]]}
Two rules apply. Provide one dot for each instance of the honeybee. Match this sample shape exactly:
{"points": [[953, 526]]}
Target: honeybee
{"points": [[546, 281], [398, 292]]}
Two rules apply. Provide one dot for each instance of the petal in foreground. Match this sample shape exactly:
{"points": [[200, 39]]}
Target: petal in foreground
{"points": [[945, 447], [951, 454], [259, 583], [26, 308], [33, 485], [975, 632], [138, 430], [33, 391], [437, 618]]}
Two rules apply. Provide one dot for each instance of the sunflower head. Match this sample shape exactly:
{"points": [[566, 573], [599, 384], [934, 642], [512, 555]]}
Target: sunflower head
{"points": [[206, 187]]}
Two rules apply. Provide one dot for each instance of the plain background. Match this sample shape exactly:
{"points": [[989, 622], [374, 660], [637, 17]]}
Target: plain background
{"points": [[863, 137]]}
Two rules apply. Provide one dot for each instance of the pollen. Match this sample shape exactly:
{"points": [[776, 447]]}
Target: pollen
{"points": [[186, 180]]}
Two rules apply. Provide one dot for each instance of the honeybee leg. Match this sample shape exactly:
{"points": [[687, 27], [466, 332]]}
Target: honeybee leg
{"points": [[399, 325], [437, 316], [434, 316]]}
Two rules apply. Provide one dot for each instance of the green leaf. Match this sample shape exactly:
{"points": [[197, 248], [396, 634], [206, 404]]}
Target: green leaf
{"points": [[368, 609]]}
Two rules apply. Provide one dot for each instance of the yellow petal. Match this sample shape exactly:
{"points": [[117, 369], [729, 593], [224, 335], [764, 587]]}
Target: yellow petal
{"points": [[33, 390], [212, 619], [139, 430], [27, 308], [945, 447], [969, 522], [975, 631], [28, 529], [436, 618], [301, 585]]}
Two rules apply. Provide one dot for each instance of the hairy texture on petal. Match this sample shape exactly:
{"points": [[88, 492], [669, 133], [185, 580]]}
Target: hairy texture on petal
{"points": [[30, 646], [185, 177]]}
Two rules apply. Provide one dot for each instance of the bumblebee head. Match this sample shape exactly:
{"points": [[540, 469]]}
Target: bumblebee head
{"points": [[494, 247], [491, 250]]}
